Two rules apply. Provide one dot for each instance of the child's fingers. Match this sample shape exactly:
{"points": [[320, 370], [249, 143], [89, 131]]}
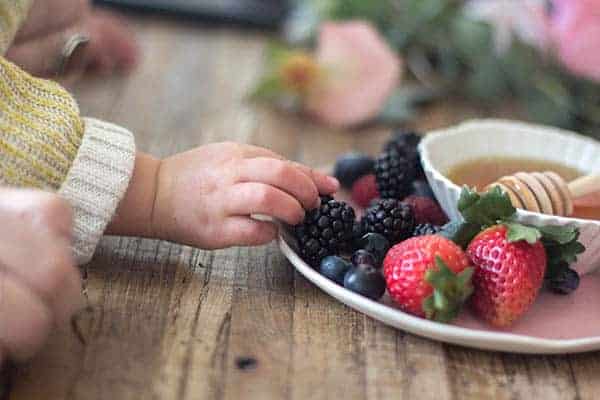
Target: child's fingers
{"points": [[258, 198], [245, 231], [325, 184], [250, 151], [25, 321], [282, 174]]}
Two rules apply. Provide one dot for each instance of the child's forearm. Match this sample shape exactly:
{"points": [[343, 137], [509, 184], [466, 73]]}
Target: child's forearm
{"points": [[134, 214]]}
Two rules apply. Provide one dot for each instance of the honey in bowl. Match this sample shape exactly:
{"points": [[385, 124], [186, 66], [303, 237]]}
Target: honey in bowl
{"points": [[481, 172]]}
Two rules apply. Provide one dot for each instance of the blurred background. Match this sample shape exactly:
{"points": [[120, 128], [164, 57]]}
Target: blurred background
{"points": [[346, 63], [268, 14]]}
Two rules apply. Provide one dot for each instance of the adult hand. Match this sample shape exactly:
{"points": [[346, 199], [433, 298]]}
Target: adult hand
{"points": [[40, 285], [49, 25]]}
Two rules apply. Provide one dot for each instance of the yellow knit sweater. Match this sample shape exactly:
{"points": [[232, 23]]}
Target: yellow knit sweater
{"points": [[46, 144]]}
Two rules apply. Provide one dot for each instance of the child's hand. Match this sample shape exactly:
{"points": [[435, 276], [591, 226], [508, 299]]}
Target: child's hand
{"points": [[39, 283], [205, 197]]}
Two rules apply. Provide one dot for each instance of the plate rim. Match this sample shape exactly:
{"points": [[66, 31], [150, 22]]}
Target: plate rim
{"points": [[447, 333]]}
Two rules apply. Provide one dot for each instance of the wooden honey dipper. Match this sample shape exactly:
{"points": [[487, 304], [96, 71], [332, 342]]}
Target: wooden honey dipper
{"points": [[546, 192]]}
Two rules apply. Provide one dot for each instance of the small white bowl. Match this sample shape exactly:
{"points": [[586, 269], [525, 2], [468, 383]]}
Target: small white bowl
{"points": [[445, 148]]}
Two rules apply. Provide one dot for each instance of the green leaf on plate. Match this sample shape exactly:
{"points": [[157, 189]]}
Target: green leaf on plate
{"points": [[460, 232], [559, 234], [518, 232], [486, 209]]}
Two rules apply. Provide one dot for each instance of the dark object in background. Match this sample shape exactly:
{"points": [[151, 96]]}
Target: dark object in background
{"points": [[426, 229], [375, 244], [421, 188], [7, 372], [259, 13], [246, 363], [565, 281], [350, 167]]}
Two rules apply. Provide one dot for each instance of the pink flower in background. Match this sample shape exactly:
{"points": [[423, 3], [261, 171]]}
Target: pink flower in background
{"points": [[361, 73], [575, 29], [524, 19]]}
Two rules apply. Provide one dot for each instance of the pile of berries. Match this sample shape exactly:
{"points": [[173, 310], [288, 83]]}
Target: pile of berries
{"points": [[404, 244], [398, 204], [396, 173], [362, 272]]}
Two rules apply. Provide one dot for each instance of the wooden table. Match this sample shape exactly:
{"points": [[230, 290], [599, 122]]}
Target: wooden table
{"points": [[172, 322]]}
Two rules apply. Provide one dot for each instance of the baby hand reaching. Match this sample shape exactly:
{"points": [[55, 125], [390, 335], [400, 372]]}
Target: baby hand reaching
{"points": [[206, 197]]}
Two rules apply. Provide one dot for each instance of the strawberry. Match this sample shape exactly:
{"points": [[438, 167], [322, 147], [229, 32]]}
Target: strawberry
{"points": [[364, 190], [428, 276], [427, 211], [508, 273]]}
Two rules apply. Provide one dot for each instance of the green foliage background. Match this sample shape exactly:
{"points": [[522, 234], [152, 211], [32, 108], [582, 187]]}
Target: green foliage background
{"points": [[455, 56]]}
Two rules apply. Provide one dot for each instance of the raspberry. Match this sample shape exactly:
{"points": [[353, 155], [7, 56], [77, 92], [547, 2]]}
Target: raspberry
{"points": [[364, 190], [426, 210]]}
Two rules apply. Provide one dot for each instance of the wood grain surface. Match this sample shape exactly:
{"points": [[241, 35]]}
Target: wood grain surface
{"points": [[172, 322]]}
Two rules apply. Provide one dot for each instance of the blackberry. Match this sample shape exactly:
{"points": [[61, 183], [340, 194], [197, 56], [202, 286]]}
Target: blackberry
{"points": [[350, 245], [325, 230], [407, 142], [403, 140], [390, 218], [426, 229], [394, 174], [358, 230]]}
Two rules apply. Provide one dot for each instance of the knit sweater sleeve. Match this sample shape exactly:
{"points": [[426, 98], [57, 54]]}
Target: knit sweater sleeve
{"points": [[44, 143]]}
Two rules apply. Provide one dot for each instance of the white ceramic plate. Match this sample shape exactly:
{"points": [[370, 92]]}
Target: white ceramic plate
{"points": [[467, 331]]}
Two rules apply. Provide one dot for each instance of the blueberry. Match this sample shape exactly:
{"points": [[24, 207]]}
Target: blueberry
{"points": [[364, 257], [375, 244], [565, 281], [365, 280], [334, 268], [421, 188], [351, 166]]}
